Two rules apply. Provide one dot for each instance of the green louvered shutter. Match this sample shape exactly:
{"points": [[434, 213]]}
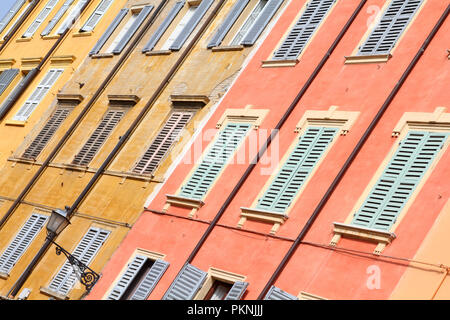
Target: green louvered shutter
{"points": [[278, 294], [186, 284], [237, 291], [391, 26], [6, 77], [294, 172], [52, 23], [214, 161], [40, 18], [399, 180], [10, 14], [96, 16]]}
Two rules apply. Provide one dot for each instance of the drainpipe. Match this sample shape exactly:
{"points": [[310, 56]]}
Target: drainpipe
{"points": [[353, 155], [444, 276]]}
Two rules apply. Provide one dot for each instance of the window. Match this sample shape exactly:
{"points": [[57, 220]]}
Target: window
{"points": [[96, 16], [122, 33], [6, 77], [218, 291], [275, 293], [40, 18], [179, 28], [248, 24], [10, 14], [17, 19], [52, 23], [73, 14]]}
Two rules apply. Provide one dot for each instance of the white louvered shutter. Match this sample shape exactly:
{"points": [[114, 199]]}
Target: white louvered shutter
{"points": [[237, 291], [10, 14], [96, 16], [186, 284], [278, 294], [52, 23], [40, 18], [71, 17], [150, 280]]}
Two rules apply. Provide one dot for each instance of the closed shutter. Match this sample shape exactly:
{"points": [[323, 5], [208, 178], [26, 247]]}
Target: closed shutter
{"points": [[38, 94], [229, 21], [47, 132], [214, 161], [96, 140], [6, 77], [10, 14], [137, 23], [56, 18], [278, 294], [133, 269], [237, 290], [392, 24], [71, 17], [303, 30], [40, 18], [85, 251], [163, 142], [96, 16], [296, 169], [186, 284], [193, 22], [21, 242], [122, 13], [163, 27], [150, 280], [399, 179], [263, 19]]}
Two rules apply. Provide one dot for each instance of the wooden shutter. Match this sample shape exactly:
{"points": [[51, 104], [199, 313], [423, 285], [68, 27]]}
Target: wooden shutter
{"points": [[392, 24], [164, 140], [163, 27], [47, 132], [71, 17], [278, 294], [229, 21], [186, 284], [212, 164], [38, 94], [6, 77], [263, 19], [40, 18], [96, 16], [237, 290], [96, 140], [303, 30], [122, 13], [193, 22], [21, 242], [10, 14], [85, 251], [296, 169], [137, 23], [150, 280], [56, 18], [399, 179]]}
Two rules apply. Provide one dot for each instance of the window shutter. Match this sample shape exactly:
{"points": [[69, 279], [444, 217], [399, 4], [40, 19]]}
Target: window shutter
{"points": [[163, 27], [186, 284], [163, 142], [296, 169], [399, 179], [303, 30], [269, 11], [10, 14], [47, 132], [137, 23], [40, 18], [72, 16], [122, 13], [221, 151], [21, 242], [125, 280], [237, 290], [278, 294], [151, 279], [193, 22], [38, 94], [85, 251], [96, 16], [392, 24], [96, 140], [56, 18], [6, 77], [229, 21]]}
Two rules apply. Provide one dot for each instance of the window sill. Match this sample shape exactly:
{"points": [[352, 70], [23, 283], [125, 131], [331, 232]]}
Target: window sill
{"points": [[51, 37], [15, 123], [279, 63], [265, 216], [24, 39], [367, 234], [227, 48], [193, 204], [379, 58], [4, 275], [308, 296], [53, 294], [158, 53], [82, 34], [102, 55]]}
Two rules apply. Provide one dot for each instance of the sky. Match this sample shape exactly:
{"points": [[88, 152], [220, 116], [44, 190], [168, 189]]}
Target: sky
{"points": [[5, 5]]}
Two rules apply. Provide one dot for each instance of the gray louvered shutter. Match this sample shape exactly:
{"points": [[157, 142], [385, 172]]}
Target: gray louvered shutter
{"points": [[231, 18], [193, 22], [40, 18], [85, 251], [122, 13], [130, 33], [130, 273], [6, 77], [278, 294], [96, 16], [73, 15], [186, 284], [47, 132], [237, 290], [98, 137], [268, 12], [163, 27], [164, 140], [10, 14], [391, 26], [21, 242], [56, 18], [303, 30], [150, 280]]}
